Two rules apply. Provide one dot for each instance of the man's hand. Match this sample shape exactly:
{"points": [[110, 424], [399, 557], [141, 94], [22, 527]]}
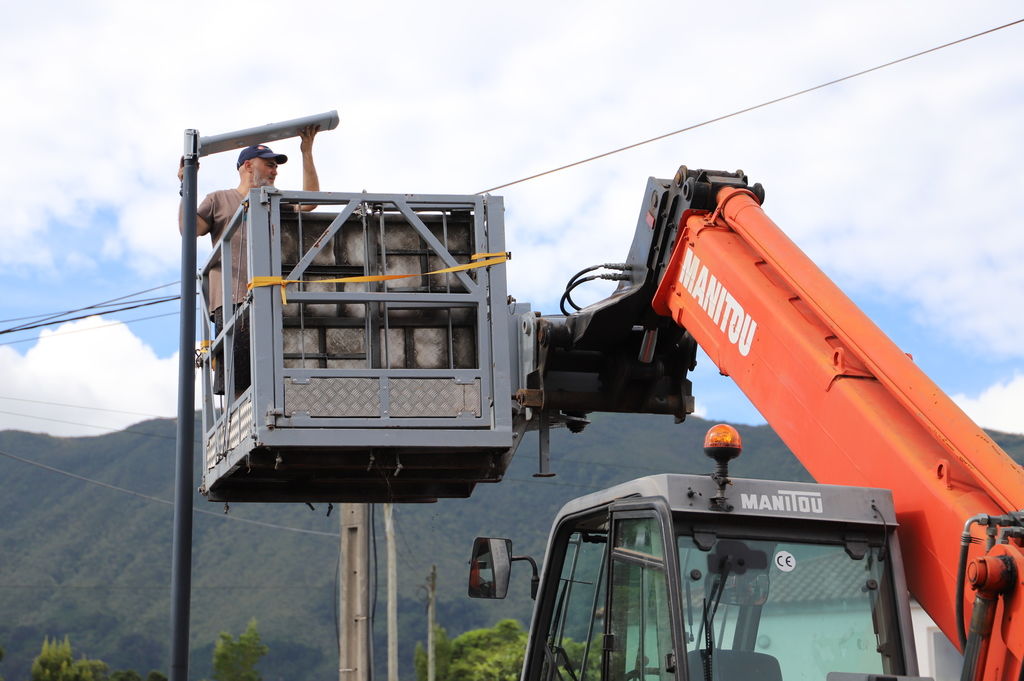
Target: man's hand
{"points": [[181, 169], [306, 135], [310, 181]]}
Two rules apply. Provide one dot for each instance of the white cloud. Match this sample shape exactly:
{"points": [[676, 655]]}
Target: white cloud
{"points": [[894, 183], [144, 236], [102, 366], [999, 407]]}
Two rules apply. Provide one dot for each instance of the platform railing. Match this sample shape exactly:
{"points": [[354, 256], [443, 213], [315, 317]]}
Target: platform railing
{"points": [[366, 333]]}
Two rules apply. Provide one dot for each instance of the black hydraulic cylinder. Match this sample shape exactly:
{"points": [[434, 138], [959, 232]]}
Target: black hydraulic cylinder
{"points": [[982, 618]]}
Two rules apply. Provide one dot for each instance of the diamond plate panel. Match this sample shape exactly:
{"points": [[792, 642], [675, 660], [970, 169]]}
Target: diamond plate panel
{"points": [[229, 433], [333, 397], [213, 449], [240, 423], [433, 397]]}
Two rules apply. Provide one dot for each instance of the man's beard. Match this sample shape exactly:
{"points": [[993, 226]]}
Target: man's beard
{"points": [[261, 180]]}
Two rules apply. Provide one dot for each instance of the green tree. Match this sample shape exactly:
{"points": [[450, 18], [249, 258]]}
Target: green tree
{"points": [[125, 675], [488, 654], [55, 663], [155, 676], [442, 656], [236, 660]]}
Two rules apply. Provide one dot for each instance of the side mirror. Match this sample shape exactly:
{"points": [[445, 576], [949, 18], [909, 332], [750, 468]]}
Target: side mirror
{"points": [[490, 567]]}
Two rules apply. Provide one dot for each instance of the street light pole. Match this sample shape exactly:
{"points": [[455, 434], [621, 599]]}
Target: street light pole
{"points": [[184, 470], [181, 548]]}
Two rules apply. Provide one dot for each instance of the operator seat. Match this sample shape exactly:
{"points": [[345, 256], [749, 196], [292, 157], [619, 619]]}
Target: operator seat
{"points": [[735, 664]]}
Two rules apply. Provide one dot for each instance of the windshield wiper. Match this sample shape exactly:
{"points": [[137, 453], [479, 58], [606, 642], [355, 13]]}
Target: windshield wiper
{"points": [[708, 617]]}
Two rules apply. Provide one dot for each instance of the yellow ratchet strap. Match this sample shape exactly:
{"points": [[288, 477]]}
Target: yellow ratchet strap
{"points": [[202, 350], [480, 260]]}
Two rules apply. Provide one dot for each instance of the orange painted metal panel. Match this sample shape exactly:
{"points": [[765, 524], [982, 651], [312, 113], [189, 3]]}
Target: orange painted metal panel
{"points": [[850, 404]]}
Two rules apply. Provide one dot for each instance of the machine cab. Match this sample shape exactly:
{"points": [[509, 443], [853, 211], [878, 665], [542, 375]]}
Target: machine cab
{"points": [[651, 581]]}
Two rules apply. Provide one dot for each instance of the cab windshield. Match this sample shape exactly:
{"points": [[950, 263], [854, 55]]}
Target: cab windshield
{"points": [[785, 610]]}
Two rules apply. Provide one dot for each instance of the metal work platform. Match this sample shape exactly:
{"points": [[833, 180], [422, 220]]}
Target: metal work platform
{"points": [[380, 370]]}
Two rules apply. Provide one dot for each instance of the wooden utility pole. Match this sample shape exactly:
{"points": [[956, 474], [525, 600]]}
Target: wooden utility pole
{"points": [[356, 625], [389, 533], [431, 611]]}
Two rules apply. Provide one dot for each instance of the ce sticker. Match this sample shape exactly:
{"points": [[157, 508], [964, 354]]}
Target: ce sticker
{"points": [[785, 561]]}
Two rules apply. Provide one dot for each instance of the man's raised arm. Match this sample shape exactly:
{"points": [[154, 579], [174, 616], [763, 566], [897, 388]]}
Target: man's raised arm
{"points": [[310, 180]]}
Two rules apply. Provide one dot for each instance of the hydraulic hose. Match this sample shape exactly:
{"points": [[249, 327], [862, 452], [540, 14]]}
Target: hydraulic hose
{"points": [[576, 280], [961, 575]]}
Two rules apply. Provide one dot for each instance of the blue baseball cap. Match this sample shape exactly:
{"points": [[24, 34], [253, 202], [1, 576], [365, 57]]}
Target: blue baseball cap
{"points": [[259, 151]]}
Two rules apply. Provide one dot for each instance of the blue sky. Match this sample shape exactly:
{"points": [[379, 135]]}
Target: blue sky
{"points": [[901, 184]]}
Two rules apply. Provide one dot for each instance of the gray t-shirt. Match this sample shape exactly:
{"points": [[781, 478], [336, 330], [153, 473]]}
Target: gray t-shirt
{"points": [[217, 209]]}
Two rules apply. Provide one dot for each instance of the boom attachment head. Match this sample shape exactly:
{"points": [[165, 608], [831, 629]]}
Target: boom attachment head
{"points": [[620, 354]]}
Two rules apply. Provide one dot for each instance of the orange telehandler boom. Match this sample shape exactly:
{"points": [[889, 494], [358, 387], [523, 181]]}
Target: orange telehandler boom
{"points": [[853, 408], [850, 405]]}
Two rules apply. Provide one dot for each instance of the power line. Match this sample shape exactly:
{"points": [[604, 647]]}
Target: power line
{"points": [[112, 429], [88, 425], [43, 319], [406, 548], [96, 309], [549, 481], [158, 416], [60, 334], [158, 500], [406, 554], [51, 322], [654, 469], [80, 406], [51, 315], [754, 107]]}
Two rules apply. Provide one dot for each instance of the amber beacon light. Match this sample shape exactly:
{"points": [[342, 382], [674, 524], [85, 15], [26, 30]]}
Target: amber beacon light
{"points": [[722, 443], [722, 436]]}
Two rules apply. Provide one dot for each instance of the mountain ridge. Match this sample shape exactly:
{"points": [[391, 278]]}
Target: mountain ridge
{"points": [[93, 562]]}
